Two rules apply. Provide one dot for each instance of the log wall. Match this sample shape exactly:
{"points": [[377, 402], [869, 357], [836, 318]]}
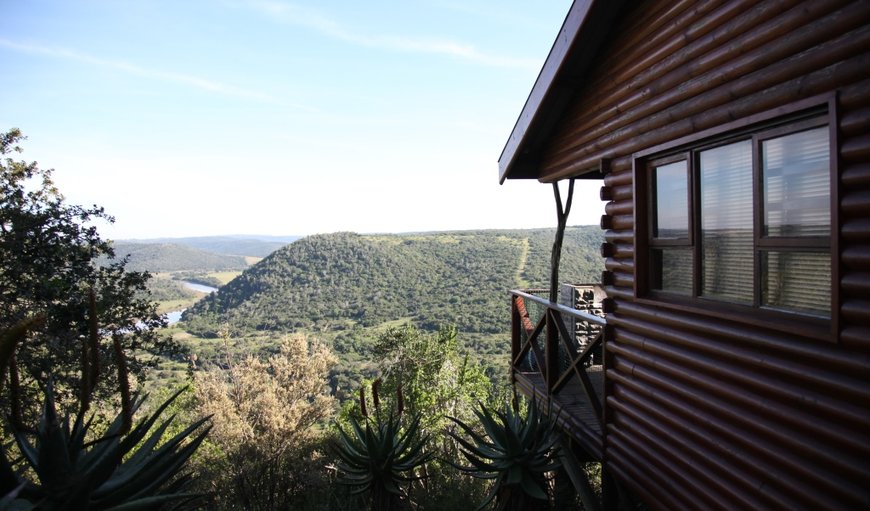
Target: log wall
{"points": [[706, 411]]}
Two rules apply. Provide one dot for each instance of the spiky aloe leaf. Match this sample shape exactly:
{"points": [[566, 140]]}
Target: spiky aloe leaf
{"points": [[515, 451], [53, 461], [79, 475], [379, 456], [137, 479], [531, 488]]}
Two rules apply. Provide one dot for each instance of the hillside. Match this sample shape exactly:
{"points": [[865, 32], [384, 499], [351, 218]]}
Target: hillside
{"points": [[241, 245], [338, 281], [170, 257]]}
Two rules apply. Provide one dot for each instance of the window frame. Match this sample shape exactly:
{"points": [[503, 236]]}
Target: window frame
{"points": [[797, 117]]}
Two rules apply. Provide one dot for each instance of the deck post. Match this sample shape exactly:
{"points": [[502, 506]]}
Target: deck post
{"points": [[516, 324], [551, 353]]}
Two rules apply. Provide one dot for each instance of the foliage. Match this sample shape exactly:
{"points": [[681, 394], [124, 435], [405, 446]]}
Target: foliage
{"points": [[48, 255], [266, 415], [379, 457], [173, 257], [515, 451], [164, 290], [437, 381], [115, 471], [66, 468], [258, 246], [337, 281]]}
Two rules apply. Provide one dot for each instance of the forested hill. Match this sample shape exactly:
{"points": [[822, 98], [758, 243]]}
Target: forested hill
{"points": [[241, 245], [170, 257], [336, 281]]}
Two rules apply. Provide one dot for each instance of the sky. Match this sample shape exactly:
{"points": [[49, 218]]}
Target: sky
{"points": [[210, 117]]}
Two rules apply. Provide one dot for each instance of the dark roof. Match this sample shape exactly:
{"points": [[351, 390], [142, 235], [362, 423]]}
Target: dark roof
{"points": [[582, 34]]}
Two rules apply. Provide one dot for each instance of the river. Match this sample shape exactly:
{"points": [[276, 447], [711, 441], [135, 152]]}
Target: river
{"points": [[198, 287], [175, 316]]}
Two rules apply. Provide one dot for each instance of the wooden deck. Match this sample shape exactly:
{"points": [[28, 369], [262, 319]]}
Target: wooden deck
{"points": [[576, 416]]}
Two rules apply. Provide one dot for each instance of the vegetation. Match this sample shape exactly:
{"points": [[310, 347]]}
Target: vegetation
{"points": [[379, 458], [267, 415], [173, 257], [48, 267], [517, 451], [70, 467], [164, 289], [272, 357], [252, 246], [436, 379], [137, 470], [340, 281]]}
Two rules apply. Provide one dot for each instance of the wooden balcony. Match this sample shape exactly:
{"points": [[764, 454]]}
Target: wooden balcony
{"points": [[556, 356]]}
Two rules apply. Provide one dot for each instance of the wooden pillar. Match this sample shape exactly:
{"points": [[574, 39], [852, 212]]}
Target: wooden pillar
{"points": [[516, 340], [551, 353]]}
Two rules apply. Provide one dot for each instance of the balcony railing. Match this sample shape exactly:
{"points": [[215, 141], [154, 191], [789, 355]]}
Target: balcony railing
{"points": [[556, 356]]}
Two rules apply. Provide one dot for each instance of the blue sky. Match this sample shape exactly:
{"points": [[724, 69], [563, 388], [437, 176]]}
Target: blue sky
{"points": [[194, 117]]}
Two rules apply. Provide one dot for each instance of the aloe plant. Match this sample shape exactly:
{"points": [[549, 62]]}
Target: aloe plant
{"points": [[515, 451], [118, 472], [380, 456]]}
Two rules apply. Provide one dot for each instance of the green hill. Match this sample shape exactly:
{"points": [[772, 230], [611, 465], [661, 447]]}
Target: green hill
{"points": [[171, 257], [337, 281], [240, 245]]}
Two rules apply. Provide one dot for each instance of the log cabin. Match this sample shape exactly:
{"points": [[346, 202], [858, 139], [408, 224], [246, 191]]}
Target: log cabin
{"points": [[732, 139]]}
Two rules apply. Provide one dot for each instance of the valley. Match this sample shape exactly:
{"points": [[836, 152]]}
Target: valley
{"points": [[346, 288]]}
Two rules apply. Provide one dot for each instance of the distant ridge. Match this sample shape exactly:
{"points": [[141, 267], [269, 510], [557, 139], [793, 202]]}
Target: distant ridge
{"points": [[342, 280], [172, 257], [237, 245]]}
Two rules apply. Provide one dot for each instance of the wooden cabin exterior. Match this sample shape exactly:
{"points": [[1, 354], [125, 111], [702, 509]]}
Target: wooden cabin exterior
{"points": [[733, 141]]}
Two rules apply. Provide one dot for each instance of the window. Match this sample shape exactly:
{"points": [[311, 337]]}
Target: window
{"points": [[744, 219]]}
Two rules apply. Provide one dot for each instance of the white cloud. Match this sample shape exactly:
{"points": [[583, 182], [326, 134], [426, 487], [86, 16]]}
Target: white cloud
{"points": [[133, 69], [297, 15]]}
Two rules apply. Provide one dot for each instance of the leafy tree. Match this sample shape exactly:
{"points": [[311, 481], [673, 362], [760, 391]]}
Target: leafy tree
{"points": [[436, 381], [48, 265]]}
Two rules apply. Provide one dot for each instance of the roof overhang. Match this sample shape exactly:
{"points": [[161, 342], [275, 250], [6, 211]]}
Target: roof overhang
{"points": [[582, 35]]}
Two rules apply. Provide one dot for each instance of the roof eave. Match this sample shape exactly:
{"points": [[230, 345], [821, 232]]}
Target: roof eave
{"points": [[582, 33]]}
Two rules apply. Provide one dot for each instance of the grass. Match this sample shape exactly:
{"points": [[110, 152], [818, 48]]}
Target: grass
{"points": [[176, 305], [225, 276]]}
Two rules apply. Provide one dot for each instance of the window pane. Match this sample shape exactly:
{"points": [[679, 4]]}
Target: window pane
{"points": [[726, 222], [797, 281], [672, 203], [797, 184], [672, 270]]}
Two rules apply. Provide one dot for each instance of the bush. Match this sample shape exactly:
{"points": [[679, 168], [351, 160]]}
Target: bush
{"points": [[267, 417]]}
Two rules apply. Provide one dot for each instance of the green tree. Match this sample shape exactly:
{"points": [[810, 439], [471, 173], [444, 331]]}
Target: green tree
{"points": [[436, 382], [48, 265]]}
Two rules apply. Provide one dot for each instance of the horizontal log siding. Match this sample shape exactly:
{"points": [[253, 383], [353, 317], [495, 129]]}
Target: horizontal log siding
{"points": [[706, 413]]}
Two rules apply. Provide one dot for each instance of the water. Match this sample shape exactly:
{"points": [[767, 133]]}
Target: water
{"points": [[198, 287], [175, 316]]}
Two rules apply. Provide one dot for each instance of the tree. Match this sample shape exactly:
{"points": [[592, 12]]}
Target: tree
{"points": [[48, 267], [436, 382]]}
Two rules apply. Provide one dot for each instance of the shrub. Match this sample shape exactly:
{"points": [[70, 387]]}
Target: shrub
{"points": [[267, 418]]}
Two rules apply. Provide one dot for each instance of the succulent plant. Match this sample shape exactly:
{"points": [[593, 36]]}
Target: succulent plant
{"points": [[118, 472], [380, 456], [515, 451]]}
